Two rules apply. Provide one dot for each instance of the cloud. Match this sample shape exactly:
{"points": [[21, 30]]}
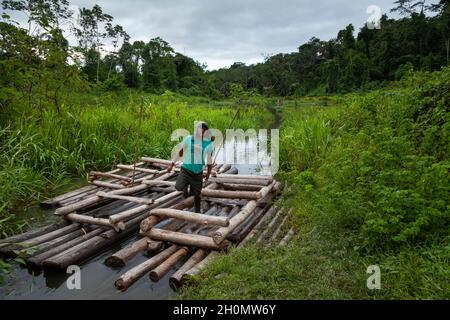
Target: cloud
{"points": [[219, 33]]}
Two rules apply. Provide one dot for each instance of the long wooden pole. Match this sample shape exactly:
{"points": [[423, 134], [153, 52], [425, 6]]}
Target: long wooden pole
{"points": [[83, 219], [161, 270], [191, 217], [121, 257], [175, 279], [257, 228], [287, 238], [186, 239], [96, 199], [195, 270], [220, 235], [131, 276], [269, 227]]}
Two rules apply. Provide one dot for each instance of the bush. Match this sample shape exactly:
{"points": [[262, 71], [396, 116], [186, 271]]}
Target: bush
{"points": [[381, 162]]}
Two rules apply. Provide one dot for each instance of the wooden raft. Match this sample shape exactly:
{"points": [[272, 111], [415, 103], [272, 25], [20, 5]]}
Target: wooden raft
{"points": [[141, 199]]}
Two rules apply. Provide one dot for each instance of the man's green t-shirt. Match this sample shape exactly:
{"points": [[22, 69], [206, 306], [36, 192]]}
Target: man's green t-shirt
{"points": [[195, 153]]}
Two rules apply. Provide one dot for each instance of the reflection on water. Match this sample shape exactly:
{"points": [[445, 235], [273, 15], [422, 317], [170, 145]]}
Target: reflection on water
{"points": [[250, 155]]}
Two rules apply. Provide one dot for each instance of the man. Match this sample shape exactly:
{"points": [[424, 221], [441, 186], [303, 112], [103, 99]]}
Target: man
{"points": [[194, 150]]}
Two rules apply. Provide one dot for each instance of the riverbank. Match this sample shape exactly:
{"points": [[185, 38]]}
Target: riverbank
{"points": [[368, 186]]}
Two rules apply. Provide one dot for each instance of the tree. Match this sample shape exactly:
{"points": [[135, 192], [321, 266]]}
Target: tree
{"points": [[116, 33], [91, 31], [46, 14], [443, 24], [158, 70], [408, 7]]}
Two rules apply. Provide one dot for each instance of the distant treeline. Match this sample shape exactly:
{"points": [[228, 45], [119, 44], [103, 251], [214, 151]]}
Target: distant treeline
{"points": [[416, 42], [37, 63]]}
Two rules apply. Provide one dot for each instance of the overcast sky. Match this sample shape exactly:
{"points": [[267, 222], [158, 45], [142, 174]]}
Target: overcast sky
{"points": [[221, 32]]}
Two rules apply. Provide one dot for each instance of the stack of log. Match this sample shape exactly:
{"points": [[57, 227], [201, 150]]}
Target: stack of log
{"points": [[141, 199]]}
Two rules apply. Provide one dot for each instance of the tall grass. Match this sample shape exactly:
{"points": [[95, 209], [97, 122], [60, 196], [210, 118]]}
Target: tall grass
{"points": [[43, 149]]}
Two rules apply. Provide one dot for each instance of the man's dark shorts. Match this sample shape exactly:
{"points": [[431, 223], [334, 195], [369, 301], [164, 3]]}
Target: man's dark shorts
{"points": [[187, 178]]}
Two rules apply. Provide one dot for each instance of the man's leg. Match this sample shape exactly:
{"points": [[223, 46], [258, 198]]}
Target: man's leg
{"points": [[196, 184], [182, 183]]}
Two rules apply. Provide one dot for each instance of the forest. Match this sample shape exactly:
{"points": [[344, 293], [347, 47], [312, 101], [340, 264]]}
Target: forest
{"points": [[364, 139]]}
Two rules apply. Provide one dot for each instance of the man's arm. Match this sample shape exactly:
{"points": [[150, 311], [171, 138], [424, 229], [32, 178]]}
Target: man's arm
{"points": [[180, 156], [209, 159]]}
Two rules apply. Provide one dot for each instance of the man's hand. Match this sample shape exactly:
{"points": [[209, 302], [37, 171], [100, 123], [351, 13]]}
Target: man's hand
{"points": [[170, 167], [208, 173]]}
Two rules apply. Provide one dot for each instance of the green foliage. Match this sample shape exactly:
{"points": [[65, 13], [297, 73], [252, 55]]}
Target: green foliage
{"points": [[366, 186], [381, 162]]}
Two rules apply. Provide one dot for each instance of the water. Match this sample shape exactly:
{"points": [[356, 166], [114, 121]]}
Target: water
{"points": [[97, 280]]}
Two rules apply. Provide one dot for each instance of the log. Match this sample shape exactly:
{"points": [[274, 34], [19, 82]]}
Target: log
{"points": [[94, 245], [120, 258], [266, 190], [278, 230], [131, 276], [150, 222], [287, 238], [191, 217], [97, 174], [220, 235], [258, 227], [73, 195], [32, 234], [269, 227], [52, 235], [38, 259], [224, 168], [135, 211], [125, 198], [50, 203], [161, 270], [195, 270], [95, 221], [232, 171], [130, 167], [244, 228], [221, 212], [175, 279], [108, 185], [96, 199], [241, 187], [46, 246], [209, 193], [143, 178], [193, 240], [250, 195], [154, 183], [257, 182], [157, 161], [81, 196], [164, 189], [244, 177], [226, 202], [130, 213]]}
